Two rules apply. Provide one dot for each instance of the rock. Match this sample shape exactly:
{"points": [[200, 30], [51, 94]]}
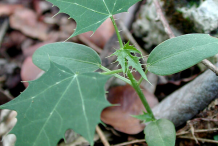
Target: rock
{"points": [[205, 17], [149, 28], [183, 16]]}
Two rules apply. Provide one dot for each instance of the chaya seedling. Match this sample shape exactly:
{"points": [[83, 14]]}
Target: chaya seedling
{"points": [[63, 98]]}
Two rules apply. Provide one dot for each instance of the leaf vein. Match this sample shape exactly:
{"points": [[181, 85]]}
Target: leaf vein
{"points": [[55, 108], [84, 7], [83, 108]]}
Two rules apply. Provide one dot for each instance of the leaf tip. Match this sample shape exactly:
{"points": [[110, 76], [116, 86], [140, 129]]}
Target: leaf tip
{"points": [[92, 34], [55, 14], [69, 38]]}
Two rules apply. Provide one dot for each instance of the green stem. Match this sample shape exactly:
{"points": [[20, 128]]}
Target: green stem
{"points": [[112, 72], [116, 75], [141, 79], [140, 94], [117, 32]]}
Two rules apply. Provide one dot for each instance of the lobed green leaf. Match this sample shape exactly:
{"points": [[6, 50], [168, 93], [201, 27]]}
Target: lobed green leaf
{"points": [[59, 100], [177, 54], [90, 14]]}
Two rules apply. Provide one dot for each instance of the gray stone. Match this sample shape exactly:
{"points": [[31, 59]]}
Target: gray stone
{"points": [[205, 17]]}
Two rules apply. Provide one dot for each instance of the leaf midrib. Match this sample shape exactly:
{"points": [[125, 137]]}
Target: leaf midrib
{"points": [[159, 133], [84, 109], [107, 8], [114, 6]]}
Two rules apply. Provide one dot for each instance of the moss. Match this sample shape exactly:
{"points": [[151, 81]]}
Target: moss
{"points": [[176, 18], [193, 3]]}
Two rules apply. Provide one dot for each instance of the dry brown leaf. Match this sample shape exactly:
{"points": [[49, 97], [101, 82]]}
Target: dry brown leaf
{"points": [[30, 50], [13, 40], [25, 20], [120, 116], [29, 71], [6, 10], [102, 34]]}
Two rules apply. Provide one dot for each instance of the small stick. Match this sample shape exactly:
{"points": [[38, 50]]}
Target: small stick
{"points": [[3, 30], [163, 19], [90, 44], [199, 139], [130, 142], [171, 35], [193, 132], [7, 94], [178, 135], [210, 66], [205, 119], [198, 131], [102, 137]]}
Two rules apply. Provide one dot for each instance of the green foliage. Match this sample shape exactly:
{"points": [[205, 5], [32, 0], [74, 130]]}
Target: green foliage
{"points": [[57, 101], [126, 59], [216, 138], [180, 53], [90, 14], [146, 117], [76, 57], [160, 133]]}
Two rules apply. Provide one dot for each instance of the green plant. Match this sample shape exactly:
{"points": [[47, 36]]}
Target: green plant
{"points": [[62, 97]]}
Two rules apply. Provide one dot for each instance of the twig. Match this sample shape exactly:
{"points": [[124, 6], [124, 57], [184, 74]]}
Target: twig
{"points": [[178, 135], [7, 94], [210, 66], [193, 132], [102, 137], [199, 139], [130, 142], [171, 35], [163, 19], [3, 30], [198, 131], [205, 119], [90, 44]]}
